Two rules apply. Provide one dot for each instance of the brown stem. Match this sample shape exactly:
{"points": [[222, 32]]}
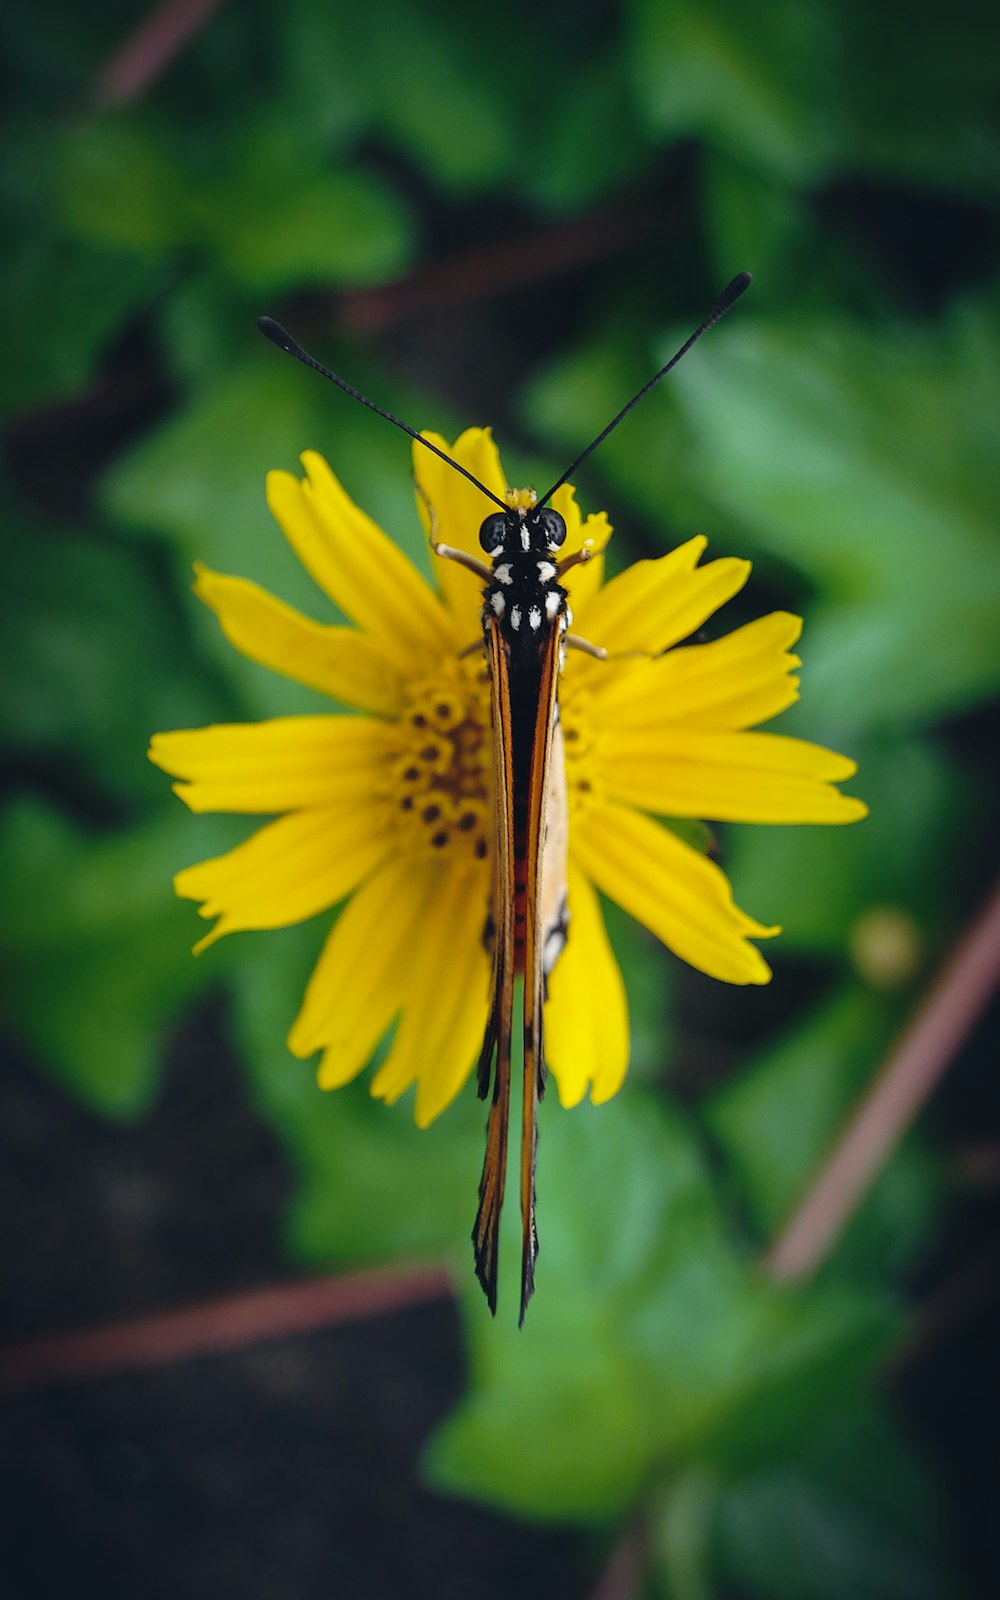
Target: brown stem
{"points": [[149, 49], [510, 261], [894, 1098], [622, 1575], [229, 1323]]}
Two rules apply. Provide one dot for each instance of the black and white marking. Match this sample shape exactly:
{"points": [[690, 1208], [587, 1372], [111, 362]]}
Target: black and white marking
{"points": [[523, 591]]}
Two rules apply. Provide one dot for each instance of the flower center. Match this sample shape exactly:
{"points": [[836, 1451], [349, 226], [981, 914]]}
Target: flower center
{"points": [[441, 780]]}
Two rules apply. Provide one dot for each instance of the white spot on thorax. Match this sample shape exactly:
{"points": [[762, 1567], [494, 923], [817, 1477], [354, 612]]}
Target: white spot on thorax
{"points": [[546, 571], [552, 603], [497, 552], [498, 603], [502, 574], [535, 617], [525, 539], [515, 615]]}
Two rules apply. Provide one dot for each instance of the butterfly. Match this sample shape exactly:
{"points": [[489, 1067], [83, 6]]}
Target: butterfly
{"points": [[526, 631]]}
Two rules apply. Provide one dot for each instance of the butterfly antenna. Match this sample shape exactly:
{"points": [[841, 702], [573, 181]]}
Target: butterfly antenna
{"points": [[728, 298], [282, 338]]}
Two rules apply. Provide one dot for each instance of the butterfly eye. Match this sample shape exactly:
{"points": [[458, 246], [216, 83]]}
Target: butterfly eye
{"points": [[553, 527], [493, 531]]}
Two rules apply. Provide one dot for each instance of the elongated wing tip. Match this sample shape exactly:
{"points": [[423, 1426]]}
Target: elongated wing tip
{"points": [[485, 1255], [527, 1290]]}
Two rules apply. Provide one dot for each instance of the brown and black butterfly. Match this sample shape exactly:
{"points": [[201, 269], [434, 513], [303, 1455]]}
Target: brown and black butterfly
{"points": [[526, 616], [527, 623]]}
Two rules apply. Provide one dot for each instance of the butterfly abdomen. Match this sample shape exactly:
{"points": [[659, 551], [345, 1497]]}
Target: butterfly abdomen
{"points": [[520, 876], [525, 657]]}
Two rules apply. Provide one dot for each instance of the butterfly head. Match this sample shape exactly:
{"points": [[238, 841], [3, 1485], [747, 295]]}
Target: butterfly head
{"points": [[523, 594], [525, 529]]}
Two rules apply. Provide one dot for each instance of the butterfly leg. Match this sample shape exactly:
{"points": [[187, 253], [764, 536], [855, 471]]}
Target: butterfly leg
{"points": [[572, 641], [588, 551], [448, 552]]}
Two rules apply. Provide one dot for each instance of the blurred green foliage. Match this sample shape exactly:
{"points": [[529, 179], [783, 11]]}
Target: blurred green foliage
{"points": [[840, 428]]}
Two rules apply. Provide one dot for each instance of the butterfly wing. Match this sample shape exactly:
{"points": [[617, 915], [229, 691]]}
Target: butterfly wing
{"points": [[544, 786], [497, 1040]]}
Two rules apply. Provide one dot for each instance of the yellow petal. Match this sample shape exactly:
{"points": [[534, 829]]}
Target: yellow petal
{"points": [[679, 895], [584, 580], [350, 666], [453, 510], [289, 870], [586, 1015], [745, 678], [359, 982], [656, 603], [444, 1012], [447, 501], [725, 777], [288, 764], [358, 565]]}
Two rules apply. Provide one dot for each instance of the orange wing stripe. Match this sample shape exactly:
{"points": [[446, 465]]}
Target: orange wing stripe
{"points": [[534, 980], [499, 1025]]}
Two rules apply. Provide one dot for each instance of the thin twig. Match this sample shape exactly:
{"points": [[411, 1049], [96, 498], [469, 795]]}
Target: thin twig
{"points": [[502, 265], [893, 1100], [623, 1572], [146, 53], [229, 1323]]}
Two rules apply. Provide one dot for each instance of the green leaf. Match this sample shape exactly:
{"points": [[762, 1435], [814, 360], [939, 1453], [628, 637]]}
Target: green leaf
{"points": [[424, 81], [793, 90], [858, 456], [436, 92], [63, 302], [931, 121], [199, 481], [96, 949], [324, 89], [567, 1382], [330, 228], [864, 462], [853, 1513], [742, 1366], [710, 68], [778, 1119], [271, 212], [77, 614], [282, 214], [868, 667], [370, 1185], [909, 853], [681, 1542], [751, 217], [203, 327], [576, 162], [118, 183], [648, 1343]]}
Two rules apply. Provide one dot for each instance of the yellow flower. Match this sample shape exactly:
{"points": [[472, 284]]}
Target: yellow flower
{"points": [[390, 812]]}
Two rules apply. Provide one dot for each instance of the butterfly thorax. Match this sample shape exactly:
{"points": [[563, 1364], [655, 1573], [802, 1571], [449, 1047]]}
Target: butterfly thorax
{"points": [[523, 593]]}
